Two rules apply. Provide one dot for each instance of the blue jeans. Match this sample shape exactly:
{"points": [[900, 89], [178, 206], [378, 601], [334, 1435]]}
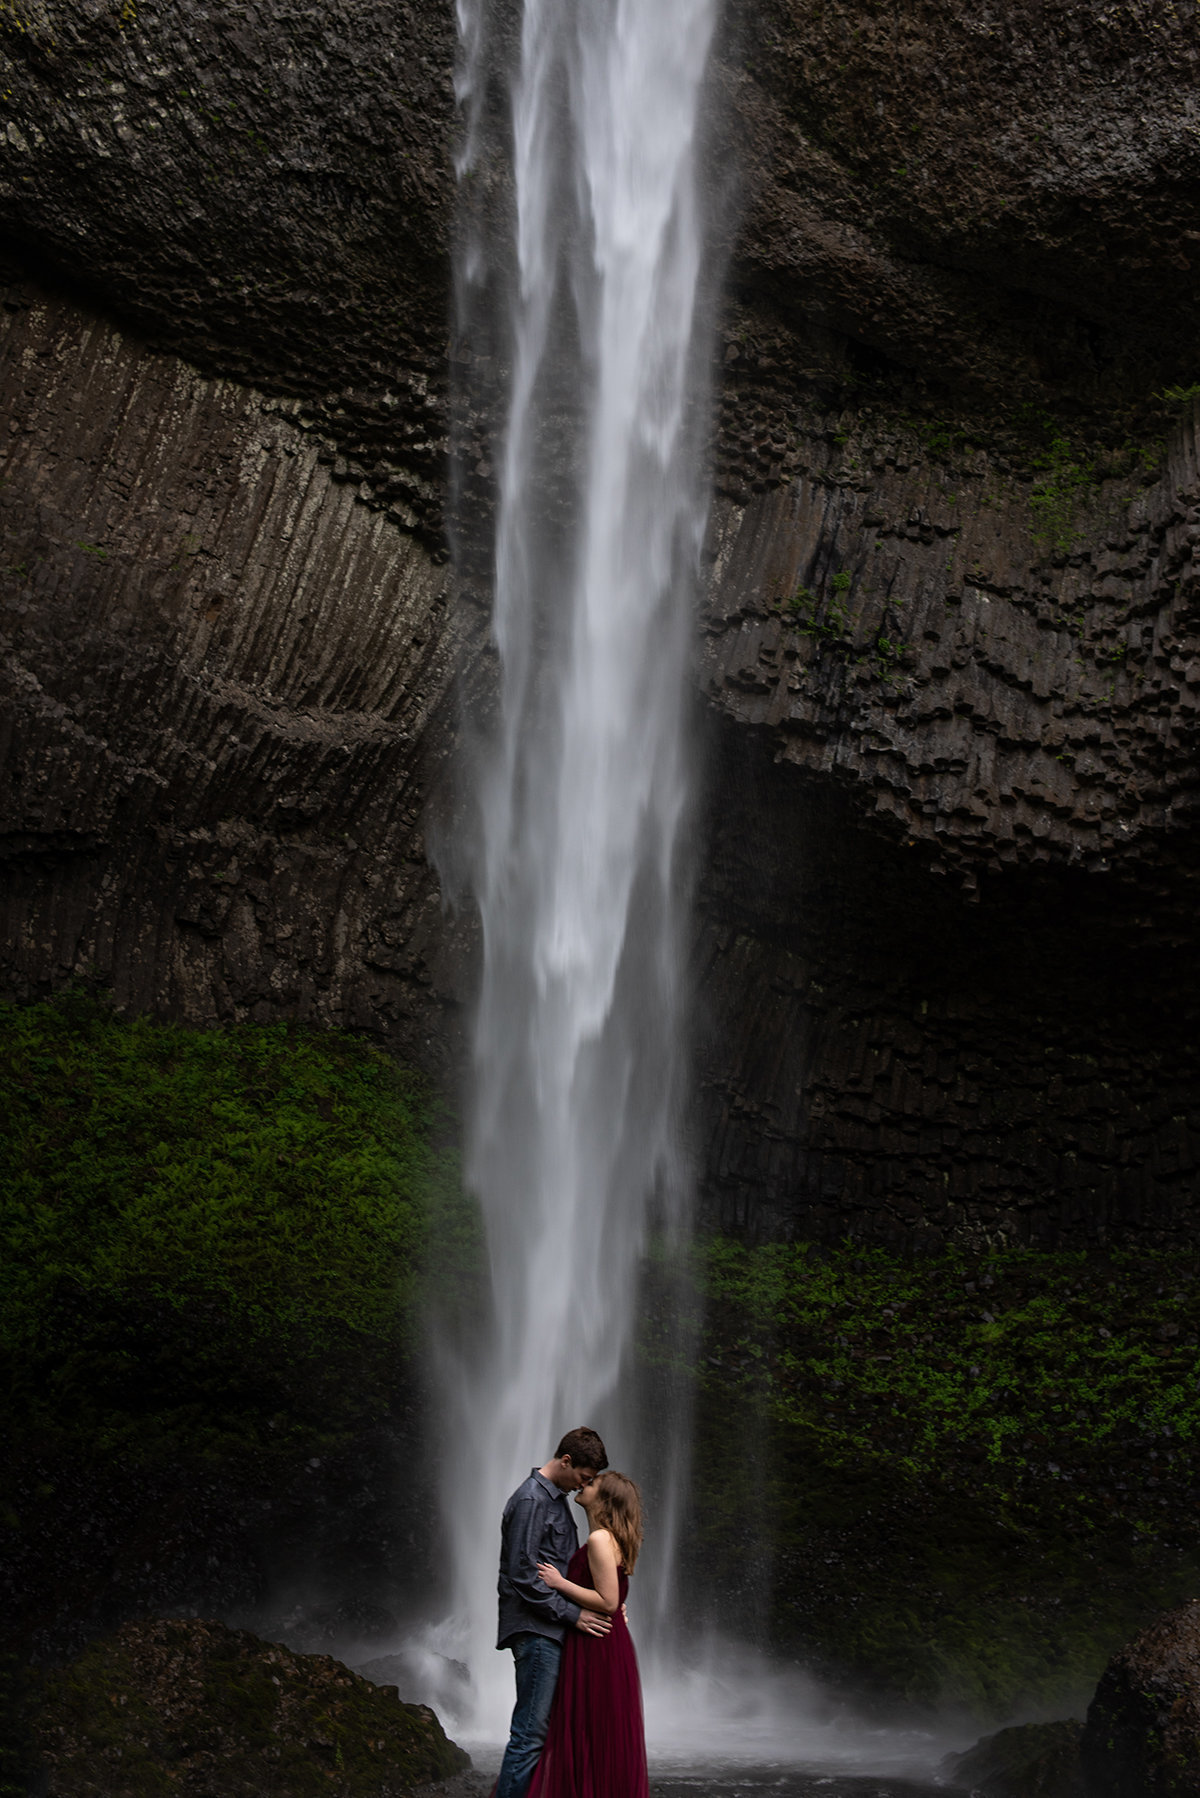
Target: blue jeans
{"points": [[537, 1659]]}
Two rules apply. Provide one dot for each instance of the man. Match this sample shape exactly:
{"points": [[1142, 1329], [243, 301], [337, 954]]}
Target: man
{"points": [[538, 1526]]}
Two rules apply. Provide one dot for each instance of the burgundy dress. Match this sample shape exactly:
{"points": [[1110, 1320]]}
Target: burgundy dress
{"points": [[596, 1742]]}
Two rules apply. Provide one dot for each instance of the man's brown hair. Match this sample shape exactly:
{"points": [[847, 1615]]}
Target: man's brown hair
{"points": [[585, 1449]]}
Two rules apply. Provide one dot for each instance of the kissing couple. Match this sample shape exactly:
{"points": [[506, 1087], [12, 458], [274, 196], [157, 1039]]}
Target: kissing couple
{"points": [[577, 1729]]}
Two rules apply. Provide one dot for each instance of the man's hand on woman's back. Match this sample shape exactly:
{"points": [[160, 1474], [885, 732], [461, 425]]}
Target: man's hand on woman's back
{"points": [[593, 1624]]}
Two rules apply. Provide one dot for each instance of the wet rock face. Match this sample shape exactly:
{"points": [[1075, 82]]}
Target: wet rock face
{"points": [[223, 584], [941, 629], [983, 1019], [881, 1059], [1142, 1736], [900, 621], [998, 206], [193, 1707]]}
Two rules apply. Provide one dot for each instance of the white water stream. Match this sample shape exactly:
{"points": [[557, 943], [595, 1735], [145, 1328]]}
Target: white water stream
{"points": [[582, 788]]}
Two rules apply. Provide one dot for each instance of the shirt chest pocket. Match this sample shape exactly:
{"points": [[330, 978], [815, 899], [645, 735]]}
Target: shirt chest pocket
{"points": [[565, 1538]]}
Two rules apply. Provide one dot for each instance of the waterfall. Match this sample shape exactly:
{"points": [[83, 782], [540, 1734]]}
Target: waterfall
{"points": [[580, 783]]}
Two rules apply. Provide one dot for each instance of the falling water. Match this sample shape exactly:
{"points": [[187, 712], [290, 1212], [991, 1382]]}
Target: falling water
{"points": [[582, 788]]}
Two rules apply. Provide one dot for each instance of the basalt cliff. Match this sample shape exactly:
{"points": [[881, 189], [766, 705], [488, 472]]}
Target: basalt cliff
{"points": [[948, 677]]}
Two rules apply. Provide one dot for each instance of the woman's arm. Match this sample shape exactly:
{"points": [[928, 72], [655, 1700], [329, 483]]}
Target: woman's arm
{"points": [[602, 1565]]}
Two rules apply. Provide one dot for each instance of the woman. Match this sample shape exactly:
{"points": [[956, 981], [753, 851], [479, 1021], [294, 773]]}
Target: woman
{"points": [[596, 1743]]}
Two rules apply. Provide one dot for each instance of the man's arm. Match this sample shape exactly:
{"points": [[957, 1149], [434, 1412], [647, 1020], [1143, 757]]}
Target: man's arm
{"points": [[522, 1551]]}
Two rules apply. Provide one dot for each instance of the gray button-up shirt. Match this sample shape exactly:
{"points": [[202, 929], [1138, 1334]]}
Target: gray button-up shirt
{"points": [[537, 1526]]}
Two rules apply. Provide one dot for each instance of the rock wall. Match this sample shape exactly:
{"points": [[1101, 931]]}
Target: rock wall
{"points": [[223, 668], [997, 207], [945, 950], [948, 953], [262, 187], [882, 1060], [899, 624]]}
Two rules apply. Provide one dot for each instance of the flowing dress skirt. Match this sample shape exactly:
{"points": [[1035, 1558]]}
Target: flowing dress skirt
{"points": [[596, 1741]]}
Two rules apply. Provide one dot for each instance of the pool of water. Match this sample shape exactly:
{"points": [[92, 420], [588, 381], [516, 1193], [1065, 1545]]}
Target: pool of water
{"points": [[733, 1782], [770, 1782]]}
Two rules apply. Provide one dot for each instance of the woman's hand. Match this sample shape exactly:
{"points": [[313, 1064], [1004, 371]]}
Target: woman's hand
{"points": [[550, 1576]]}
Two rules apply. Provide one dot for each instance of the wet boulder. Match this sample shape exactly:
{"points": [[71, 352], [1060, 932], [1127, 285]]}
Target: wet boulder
{"points": [[1032, 1760], [1142, 1736], [197, 1709]]}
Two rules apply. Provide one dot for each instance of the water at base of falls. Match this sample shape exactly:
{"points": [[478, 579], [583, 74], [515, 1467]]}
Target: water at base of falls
{"points": [[728, 1720]]}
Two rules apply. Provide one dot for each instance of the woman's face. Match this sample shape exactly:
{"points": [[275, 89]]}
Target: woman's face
{"points": [[586, 1495]]}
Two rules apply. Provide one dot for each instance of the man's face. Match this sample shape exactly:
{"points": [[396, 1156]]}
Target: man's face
{"points": [[570, 1478]]}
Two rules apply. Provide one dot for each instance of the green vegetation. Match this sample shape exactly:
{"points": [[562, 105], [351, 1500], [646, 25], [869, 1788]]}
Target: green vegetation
{"points": [[940, 440], [1063, 478], [968, 1476], [1021, 1365], [1179, 397], [192, 1213], [1067, 472], [965, 1478], [828, 621]]}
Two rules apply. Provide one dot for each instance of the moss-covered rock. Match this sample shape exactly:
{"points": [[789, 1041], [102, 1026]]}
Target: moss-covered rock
{"points": [[1142, 1736], [193, 1708], [283, 1172]]}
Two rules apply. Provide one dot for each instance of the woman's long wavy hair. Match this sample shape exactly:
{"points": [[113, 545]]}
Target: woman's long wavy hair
{"points": [[619, 1508]]}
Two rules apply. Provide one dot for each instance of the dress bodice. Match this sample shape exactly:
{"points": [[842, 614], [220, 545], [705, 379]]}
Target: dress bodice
{"points": [[580, 1574]]}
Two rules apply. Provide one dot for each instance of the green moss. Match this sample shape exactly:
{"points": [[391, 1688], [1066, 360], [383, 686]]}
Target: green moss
{"points": [[1180, 397], [197, 1227], [827, 620], [1062, 481], [960, 1478], [1022, 1363]]}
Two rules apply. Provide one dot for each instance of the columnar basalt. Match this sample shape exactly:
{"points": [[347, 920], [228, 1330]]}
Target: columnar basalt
{"points": [[899, 622], [224, 664], [1010, 718]]}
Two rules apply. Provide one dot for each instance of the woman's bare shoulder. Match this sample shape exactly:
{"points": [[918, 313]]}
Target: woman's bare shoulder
{"points": [[602, 1538]]}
